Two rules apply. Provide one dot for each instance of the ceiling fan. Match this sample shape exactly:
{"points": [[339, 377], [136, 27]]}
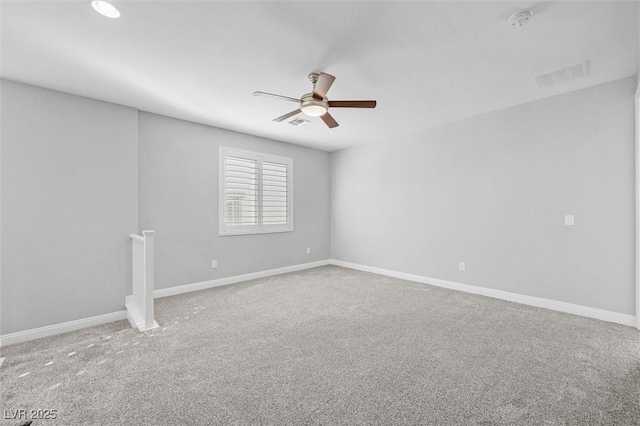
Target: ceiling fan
{"points": [[316, 103]]}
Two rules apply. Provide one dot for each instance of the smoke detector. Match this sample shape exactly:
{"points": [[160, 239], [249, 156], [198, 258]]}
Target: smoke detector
{"points": [[520, 18]]}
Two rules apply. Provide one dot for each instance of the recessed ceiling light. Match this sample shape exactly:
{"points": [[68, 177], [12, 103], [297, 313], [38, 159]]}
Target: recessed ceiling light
{"points": [[105, 8]]}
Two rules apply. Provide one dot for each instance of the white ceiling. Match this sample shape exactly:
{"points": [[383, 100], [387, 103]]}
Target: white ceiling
{"points": [[426, 63]]}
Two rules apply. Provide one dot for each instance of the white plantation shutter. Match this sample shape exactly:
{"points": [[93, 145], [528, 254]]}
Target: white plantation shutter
{"points": [[241, 189], [255, 192], [275, 199]]}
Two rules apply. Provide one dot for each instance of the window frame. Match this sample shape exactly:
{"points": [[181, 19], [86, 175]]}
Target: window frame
{"points": [[259, 228]]}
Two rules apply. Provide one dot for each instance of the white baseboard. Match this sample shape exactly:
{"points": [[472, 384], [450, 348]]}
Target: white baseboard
{"points": [[172, 291], [51, 330], [553, 305]]}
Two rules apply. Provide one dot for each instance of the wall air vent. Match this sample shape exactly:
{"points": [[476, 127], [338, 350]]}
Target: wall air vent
{"points": [[299, 122], [563, 75]]}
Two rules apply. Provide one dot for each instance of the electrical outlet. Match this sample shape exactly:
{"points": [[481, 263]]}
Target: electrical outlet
{"points": [[569, 220], [462, 266], [308, 250], [214, 264]]}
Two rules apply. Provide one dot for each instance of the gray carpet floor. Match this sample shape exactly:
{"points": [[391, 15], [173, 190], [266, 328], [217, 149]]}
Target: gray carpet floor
{"points": [[333, 346]]}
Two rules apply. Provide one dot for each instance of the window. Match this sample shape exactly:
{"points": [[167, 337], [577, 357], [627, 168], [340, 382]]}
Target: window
{"points": [[256, 192]]}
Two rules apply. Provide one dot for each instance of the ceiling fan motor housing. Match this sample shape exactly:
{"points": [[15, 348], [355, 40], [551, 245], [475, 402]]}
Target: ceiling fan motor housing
{"points": [[313, 107]]}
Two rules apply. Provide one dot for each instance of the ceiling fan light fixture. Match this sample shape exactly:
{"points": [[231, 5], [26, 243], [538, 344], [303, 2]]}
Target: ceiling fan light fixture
{"points": [[313, 107], [105, 8], [314, 110]]}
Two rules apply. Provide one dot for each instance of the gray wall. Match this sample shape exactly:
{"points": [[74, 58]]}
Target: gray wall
{"points": [[70, 169], [69, 201], [493, 190], [178, 179]]}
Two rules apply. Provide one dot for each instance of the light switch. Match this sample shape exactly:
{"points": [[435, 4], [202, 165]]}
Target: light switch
{"points": [[568, 220]]}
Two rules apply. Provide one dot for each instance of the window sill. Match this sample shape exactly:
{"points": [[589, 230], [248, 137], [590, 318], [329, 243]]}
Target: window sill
{"points": [[231, 232]]}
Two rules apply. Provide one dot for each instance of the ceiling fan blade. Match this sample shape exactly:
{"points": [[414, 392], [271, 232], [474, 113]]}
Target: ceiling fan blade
{"points": [[352, 104], [322, 85], [271, 95], [284, 117], [329, 121]]}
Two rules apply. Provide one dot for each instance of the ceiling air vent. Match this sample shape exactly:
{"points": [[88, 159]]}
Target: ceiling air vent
{"points": [[299, 122], [563, 75]]}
